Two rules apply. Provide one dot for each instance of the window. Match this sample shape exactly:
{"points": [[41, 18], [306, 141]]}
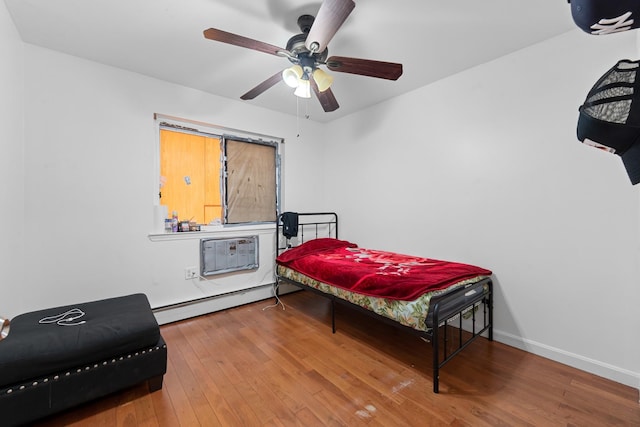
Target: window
{"points": [[210, 175], [250, 185]]}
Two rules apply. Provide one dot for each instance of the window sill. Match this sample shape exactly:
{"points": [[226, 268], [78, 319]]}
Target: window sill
{"points": [[213, 230]]}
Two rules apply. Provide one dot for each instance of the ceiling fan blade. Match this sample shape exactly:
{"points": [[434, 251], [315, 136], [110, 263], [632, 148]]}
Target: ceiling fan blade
{"points": [[331, 16], [263, 86], [326, 98], [236, 40], [365, 67]]}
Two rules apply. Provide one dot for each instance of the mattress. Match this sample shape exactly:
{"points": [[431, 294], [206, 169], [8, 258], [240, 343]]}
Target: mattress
{"points": [[47, 341], [414, 313]]}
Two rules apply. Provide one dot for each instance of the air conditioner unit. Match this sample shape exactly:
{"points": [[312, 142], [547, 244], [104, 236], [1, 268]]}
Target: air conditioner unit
{"points": [[225, 255]]}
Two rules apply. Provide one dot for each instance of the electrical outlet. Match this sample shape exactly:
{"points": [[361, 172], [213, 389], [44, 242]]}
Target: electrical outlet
{"points": [[190, 273]]}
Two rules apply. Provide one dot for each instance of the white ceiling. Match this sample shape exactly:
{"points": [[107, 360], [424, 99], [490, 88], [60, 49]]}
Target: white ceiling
{"points": [[433, 39]]}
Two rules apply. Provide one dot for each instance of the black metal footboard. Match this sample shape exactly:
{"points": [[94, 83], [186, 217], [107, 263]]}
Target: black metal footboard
{"points": [[480, 301], [470, 306]]}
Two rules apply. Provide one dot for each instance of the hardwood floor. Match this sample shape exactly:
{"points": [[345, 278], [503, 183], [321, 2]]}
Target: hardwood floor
{"points": [[260, 366]]}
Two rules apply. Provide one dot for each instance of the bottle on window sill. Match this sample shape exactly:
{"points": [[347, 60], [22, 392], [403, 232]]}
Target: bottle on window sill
{"points": [[174, 222]]}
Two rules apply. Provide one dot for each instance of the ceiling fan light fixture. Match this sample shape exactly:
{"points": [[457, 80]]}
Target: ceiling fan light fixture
{"points": [[304, 89], [322, 79], [307, 51], [292, 75]]}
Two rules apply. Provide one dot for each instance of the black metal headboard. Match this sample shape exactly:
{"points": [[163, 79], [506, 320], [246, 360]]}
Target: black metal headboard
{"points": [[310, 225]]}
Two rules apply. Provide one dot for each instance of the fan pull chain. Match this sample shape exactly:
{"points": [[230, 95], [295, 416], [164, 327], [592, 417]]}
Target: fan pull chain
{"points": [[306, 114], [297, 117]]}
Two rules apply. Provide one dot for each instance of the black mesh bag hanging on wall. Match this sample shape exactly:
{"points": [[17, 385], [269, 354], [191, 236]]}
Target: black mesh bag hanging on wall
{"points": [[610, 116]]}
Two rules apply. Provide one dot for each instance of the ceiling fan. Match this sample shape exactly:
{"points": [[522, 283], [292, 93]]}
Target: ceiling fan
{"points": [[308, 51]]}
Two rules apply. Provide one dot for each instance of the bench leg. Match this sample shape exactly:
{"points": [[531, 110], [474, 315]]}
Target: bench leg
{"points": [[155, 383]]}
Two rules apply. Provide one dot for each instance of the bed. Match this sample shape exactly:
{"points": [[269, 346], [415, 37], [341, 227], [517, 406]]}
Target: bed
{"points": [[57, 358], [448, 304]]}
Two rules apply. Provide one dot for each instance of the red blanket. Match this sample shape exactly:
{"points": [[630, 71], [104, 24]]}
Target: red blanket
{"points": [[372, 272]]}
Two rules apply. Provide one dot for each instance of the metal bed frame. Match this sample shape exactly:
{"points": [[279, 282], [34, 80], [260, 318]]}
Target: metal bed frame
{"points": [[443, 308]]}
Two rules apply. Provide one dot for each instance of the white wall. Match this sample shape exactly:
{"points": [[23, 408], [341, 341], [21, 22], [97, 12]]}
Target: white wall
{"points": [[11, 164], [485, 167], [90, 180]]}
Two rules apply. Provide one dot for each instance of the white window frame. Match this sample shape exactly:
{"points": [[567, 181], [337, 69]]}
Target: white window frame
{"points": [[181, 124]]}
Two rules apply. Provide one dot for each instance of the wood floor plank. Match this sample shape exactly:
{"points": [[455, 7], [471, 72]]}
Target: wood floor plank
{"points": [[126, 415], [180, 397], [145, 414], [279, 409], [166, 415], [231, 394], [210, 388], [257, 365], [280, 382]]}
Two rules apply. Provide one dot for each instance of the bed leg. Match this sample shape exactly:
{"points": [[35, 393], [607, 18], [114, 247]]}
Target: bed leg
{"points": [[436, 362], [490, 302], [333, 315]]}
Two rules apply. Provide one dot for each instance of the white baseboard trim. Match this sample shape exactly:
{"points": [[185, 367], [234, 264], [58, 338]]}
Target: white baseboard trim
{"points": [[199, 307], [209, 305], [605, 370]]}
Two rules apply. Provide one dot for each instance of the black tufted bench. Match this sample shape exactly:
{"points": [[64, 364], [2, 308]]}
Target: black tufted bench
{"points": [[57, 358]]}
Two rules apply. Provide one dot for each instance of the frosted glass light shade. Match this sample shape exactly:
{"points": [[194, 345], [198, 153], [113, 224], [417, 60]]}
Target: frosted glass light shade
{"points": [[322, 79], [292, 75], [304, 89]]}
